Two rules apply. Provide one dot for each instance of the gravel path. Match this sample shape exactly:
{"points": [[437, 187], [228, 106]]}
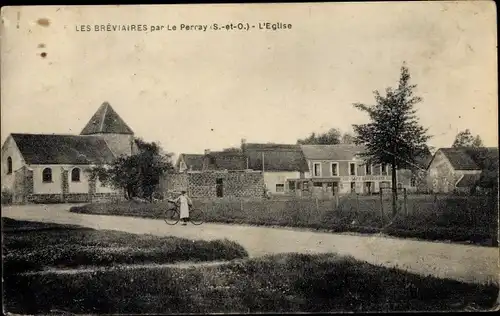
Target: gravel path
{"points": [[468, 263]]}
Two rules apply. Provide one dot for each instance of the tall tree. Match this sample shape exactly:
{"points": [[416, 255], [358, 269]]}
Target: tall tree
{"points": [[347, 138], [394, 135], [466, 139], [139, 174], [331, 137]]}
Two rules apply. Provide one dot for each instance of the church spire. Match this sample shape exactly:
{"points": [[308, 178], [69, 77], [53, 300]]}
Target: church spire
{"points": [[106, 121]]}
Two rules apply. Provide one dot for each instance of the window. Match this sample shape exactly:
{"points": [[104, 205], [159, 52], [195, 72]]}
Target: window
{"points": [[383, 169], [317, 169], [47, 175], [335, 169], [353, 186], [400, 185], [352, 169], [318, 184], [211, 160], [291, 186], [280, 187], [9, 165], [75, 175], [413, 181], [368, 169]]}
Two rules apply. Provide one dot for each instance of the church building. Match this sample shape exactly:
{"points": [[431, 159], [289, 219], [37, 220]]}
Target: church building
{"points": [[51, 168]]}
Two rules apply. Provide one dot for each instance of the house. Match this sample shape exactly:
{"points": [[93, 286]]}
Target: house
{"points": [[339, 168], [460, 169], [51, 168], [189, 162], [278, 163], [214, 174], [224, 160]]}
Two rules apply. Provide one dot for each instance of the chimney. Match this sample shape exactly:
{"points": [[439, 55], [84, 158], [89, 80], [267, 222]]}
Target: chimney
{"points": [[207, 151], [243, 144]]}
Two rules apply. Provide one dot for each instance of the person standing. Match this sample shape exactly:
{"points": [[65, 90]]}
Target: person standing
{"points": [[184, 203]]}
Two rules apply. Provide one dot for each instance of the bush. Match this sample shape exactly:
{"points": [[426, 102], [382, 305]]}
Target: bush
{"points": [[7, 196], [279, 283]]}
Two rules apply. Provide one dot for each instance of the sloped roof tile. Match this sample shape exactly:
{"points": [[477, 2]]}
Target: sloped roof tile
{"points": [[277, 157], [62, 149]]}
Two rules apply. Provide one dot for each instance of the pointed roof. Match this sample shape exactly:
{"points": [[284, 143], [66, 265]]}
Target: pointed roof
{"points": [[106, 121]]}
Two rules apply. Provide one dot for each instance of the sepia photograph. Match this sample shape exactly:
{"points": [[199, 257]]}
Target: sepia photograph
{"points": [[250, 158]]}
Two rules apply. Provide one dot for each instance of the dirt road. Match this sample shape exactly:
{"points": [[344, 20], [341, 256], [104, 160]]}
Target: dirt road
{"points": [[460, 262]]}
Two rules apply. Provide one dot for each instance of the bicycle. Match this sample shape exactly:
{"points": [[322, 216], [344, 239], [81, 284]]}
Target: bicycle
{"points": [[172, 216]]}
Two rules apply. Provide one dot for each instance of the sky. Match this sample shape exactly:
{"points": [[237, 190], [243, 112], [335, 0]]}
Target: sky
{"points": [[194, 90]]}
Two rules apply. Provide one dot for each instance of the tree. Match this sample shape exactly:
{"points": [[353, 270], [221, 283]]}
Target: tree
{"points": [[332, 137], [347, 138], [394, 135], [139, 174], [477, 142], [466, 139]]}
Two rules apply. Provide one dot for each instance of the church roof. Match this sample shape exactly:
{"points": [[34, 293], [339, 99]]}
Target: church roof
{"points": [[106, 121], [41, 149]]}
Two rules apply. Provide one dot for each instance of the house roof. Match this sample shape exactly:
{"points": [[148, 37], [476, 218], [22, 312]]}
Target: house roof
{"points": [[277, 157], [227, 161], [106, 120], [331, 152], [424, 159], [459, 159], [62, 149], [468, 180], [193, 161]]}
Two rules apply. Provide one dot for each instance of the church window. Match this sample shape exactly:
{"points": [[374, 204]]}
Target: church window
{"points": [[47, 175], [75, 175], [9, 165]]}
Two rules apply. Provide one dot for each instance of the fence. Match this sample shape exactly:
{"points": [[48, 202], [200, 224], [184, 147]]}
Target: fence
{"points": [[443, 210]]}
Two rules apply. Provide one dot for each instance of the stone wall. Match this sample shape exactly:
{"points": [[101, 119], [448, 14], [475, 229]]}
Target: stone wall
{"points": [[23, 185], [204, 184], [23, 191]]}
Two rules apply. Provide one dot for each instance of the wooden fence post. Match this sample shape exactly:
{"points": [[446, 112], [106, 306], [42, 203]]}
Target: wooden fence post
{"points": [[405, 201], [357, 204], [381, 205]]}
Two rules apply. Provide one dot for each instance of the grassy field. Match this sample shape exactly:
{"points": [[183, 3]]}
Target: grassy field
{"points": [[453, 218], [29, 246], [280, 283]]}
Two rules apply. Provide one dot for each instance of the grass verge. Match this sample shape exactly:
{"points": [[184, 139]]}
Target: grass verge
{"points": [[279, 283], [457, 219], [31, 246]]}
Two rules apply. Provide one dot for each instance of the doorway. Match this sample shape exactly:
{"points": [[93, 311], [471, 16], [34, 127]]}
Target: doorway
{"points": [[368, 187], [335, 188], [219, 187]]}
